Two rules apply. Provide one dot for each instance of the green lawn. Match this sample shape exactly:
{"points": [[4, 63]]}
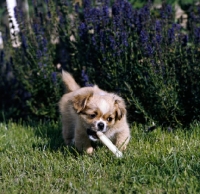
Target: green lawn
{"points": [[33, 159]]}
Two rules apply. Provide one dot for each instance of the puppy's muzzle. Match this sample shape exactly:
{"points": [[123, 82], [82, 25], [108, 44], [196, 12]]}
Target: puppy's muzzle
{"points": [[99, 126], [92, 135]]}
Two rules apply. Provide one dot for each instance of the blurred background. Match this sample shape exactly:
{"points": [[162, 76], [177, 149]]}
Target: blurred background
{"points": [[146, 51]]}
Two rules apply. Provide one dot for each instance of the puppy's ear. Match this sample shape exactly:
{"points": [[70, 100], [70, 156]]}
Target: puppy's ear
{"points": [[120, 108], [80, 101]]}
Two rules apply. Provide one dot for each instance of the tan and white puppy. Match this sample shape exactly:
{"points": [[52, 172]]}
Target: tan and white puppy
{"points": [[87, 110]]}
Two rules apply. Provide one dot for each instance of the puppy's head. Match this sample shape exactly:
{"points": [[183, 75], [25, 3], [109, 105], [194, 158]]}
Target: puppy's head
{"points": [[99, 112]]}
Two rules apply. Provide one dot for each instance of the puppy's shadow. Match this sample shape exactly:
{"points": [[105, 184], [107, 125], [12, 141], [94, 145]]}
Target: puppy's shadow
{"points": [[48, 136]]}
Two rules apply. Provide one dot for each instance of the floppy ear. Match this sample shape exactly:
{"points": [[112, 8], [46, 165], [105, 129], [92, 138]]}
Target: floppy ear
{"points": [[80, 101], [120, 108]]}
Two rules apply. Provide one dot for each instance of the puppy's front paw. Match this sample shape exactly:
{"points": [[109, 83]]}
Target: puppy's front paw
{"points": [[90, 150], [122, 143], [122, 148]]}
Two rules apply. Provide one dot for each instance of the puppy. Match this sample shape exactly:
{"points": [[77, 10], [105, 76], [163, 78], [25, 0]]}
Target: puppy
{"points": [[87, 110]]}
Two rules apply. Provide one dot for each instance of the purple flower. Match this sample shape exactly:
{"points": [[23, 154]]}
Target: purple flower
{"points": [[102, 36], [44, 42], [39, 54], [19, 15], [86, 3], [94, 42], [54, 77], [122, 13], [166, 12], [36, 28], [85, 78], [171, 35], [197, 35], [16, 12], [112, 42], [24, 42], [169, 9], [105, 11], [33, 2], [40, 64], [144, 36], [144, 12], [92, 15], [128, 11], [158, 38], [102, 48], [106, 2], [185, 40], [116, 8], [27, 94], [117, 21], [149, 50], [124, 37], [158, 26], [82, 29], [49, 14], [138, 23], [61, 18], [77, 7]]}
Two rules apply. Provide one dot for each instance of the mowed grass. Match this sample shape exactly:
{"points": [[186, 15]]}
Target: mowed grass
{"points": [[33, 159]]}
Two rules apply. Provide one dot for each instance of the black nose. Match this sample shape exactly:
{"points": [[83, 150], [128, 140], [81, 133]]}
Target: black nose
{"points": [[100, 126]]}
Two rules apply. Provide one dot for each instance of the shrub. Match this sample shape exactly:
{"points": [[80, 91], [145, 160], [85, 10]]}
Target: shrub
{"points": [[140, 54], [143, 55], [34, 88]]}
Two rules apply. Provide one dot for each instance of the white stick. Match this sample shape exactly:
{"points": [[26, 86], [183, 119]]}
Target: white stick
{"points": [[13, 23], [109, 144]]}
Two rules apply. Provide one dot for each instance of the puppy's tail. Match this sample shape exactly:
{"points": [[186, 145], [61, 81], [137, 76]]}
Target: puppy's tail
{"points": [[69, 82]]}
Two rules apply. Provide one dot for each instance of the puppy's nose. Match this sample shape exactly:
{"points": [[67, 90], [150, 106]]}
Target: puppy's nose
{"points": [[100, 126]]}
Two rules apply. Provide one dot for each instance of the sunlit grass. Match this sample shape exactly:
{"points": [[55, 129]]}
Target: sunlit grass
{"points": [[33, 159]]}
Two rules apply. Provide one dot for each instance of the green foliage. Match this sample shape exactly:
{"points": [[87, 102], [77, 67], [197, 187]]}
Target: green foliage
{"points": [[137, 3], [35, 83], [146, 51], [141, 54], [33, 159]]}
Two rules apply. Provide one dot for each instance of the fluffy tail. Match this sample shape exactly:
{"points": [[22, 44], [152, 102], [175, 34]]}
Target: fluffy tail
{"points": [[69, 82]]}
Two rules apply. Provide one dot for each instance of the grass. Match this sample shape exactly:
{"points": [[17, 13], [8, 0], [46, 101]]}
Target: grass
{"points": [[33, 159]]}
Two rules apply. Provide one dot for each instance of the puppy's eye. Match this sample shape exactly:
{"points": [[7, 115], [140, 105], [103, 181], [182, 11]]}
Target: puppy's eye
{"points": [[109, 119], [92, 116]]}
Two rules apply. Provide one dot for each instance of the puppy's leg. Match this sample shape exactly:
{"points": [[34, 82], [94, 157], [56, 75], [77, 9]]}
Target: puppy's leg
{"points": [[68, 131], [122, 139], [82, 142]]}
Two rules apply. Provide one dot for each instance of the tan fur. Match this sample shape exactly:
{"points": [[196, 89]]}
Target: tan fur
{"points": [[84, 108], [69, 82]]}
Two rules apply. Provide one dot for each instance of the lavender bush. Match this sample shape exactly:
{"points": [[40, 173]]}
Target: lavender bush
{"points": [[34, 82], [141, 54]]}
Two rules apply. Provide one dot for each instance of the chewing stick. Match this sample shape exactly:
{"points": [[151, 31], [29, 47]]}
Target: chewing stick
{"points": [[109, 144]]}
